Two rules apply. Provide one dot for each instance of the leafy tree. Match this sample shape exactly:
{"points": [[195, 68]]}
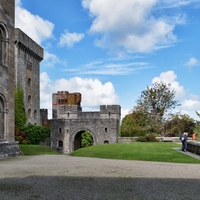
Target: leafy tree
{"points": [[36, 134], [86, 139], [20, 114], [178, 123], [134, 124], [197, 125], [155, 102]]}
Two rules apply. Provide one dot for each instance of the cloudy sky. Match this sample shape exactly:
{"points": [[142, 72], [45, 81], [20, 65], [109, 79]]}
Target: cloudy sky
{"points": [[110, 51]]}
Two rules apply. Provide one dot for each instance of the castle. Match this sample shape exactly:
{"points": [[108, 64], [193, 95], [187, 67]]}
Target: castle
{"points": [[69, 122], [20, 59]]}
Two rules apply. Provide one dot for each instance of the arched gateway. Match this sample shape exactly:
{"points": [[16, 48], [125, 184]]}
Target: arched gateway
{"points": [[69, 122]]}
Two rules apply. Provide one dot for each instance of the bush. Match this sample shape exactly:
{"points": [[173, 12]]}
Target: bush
{"points": [[86, 139], [147, 138], [36, 134], [133, 132]]}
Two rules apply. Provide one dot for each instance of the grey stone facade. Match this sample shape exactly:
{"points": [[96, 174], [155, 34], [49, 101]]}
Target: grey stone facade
{"points": [[7, 69], [69, 122], [20, 57], [28, 55]]}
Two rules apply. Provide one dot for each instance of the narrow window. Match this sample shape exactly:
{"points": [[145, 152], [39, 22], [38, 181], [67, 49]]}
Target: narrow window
{"points": [[60, 143], [29, 113], [29, 99], [60, 130], [35, 114]]}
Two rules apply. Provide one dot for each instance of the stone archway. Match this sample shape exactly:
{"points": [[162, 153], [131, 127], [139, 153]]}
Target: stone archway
{"points": [[76, 139], [2, 118]]}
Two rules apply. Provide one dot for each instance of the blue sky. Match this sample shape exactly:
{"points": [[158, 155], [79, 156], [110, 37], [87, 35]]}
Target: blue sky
{"points": [[110, 51]]}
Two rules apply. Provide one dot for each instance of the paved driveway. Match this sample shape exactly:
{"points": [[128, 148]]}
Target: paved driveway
{"points": [[59, 177]]}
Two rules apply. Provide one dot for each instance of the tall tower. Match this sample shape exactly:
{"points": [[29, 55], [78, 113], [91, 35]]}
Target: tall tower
{"points": [[7, 69], [28, 55]]}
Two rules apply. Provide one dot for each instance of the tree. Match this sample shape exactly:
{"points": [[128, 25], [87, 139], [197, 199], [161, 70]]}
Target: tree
{"points": [[156, 101], [178, 123], [134, 124], [20, 114]]}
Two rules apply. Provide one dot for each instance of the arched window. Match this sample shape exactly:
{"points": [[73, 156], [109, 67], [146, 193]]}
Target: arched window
{"points": [[29, 82], [60, 143], [3, 44], [35, 114], [29, 99], [29, 113], [1, 118], [106, 130]]}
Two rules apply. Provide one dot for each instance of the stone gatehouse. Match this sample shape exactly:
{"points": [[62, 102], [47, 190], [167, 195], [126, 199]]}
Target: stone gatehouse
{"points": [[69, 122]]}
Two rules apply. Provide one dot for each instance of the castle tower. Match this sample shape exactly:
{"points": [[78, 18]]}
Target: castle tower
{"points": [[65, 103], [7, 69], [28, 55]]}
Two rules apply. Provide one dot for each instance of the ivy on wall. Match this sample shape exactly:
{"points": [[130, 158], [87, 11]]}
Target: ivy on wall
{"points": [[20, 114]]}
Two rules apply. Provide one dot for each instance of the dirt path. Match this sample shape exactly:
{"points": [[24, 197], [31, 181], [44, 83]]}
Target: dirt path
{"points": [[73, 178]]}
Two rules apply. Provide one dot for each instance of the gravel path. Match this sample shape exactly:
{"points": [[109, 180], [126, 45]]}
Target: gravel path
{"points": [[59, 177]]}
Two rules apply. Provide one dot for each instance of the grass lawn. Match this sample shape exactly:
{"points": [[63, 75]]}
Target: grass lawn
{"points": [[144, 151], [36, 150]]}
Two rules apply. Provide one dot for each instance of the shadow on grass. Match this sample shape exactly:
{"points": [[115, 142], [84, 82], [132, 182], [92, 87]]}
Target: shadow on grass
{"points": [[97, 188]]}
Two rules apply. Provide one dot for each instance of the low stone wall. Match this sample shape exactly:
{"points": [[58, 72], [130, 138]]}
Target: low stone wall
{"points": [[193, 147], [9, 149], [126, 139], [160, 139]]}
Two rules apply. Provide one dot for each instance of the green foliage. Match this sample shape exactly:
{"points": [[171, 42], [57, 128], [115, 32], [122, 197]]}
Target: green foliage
{"points": [[36, 134], [134, 124], [155, 102], [21, 137], [147, 138], [178, 123], [86, 139], [20, 114]]}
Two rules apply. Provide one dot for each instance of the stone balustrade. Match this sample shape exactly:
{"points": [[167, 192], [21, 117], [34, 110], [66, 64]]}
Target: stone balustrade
{"points": [[193, 147]]}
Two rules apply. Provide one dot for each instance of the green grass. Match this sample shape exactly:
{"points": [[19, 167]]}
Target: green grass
{"points": [[36, 150], [144, 151]]}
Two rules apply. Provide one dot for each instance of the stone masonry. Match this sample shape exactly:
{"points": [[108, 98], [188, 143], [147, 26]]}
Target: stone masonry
{"points": [[28, 55], [7, 69], [69, 122]]}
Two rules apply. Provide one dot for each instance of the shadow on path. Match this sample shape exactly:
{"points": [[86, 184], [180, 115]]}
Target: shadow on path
{"points": [[95, 188]]}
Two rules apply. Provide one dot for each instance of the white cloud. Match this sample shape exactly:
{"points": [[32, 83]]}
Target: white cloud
{"points": [[94, 92], [31, 24], [192, 62], [109, 68], [170, 77], [131, 26], [50, 60], [191, 104], [69, 39]]}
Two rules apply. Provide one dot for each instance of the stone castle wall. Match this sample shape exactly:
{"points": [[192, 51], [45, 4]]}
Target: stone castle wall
{"points": [[69, 122], [28, 55], [7, 69]]}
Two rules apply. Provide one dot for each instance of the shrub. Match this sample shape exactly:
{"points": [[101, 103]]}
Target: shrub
{"points": [[36, 134], [86, 139], [147, 138]]}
